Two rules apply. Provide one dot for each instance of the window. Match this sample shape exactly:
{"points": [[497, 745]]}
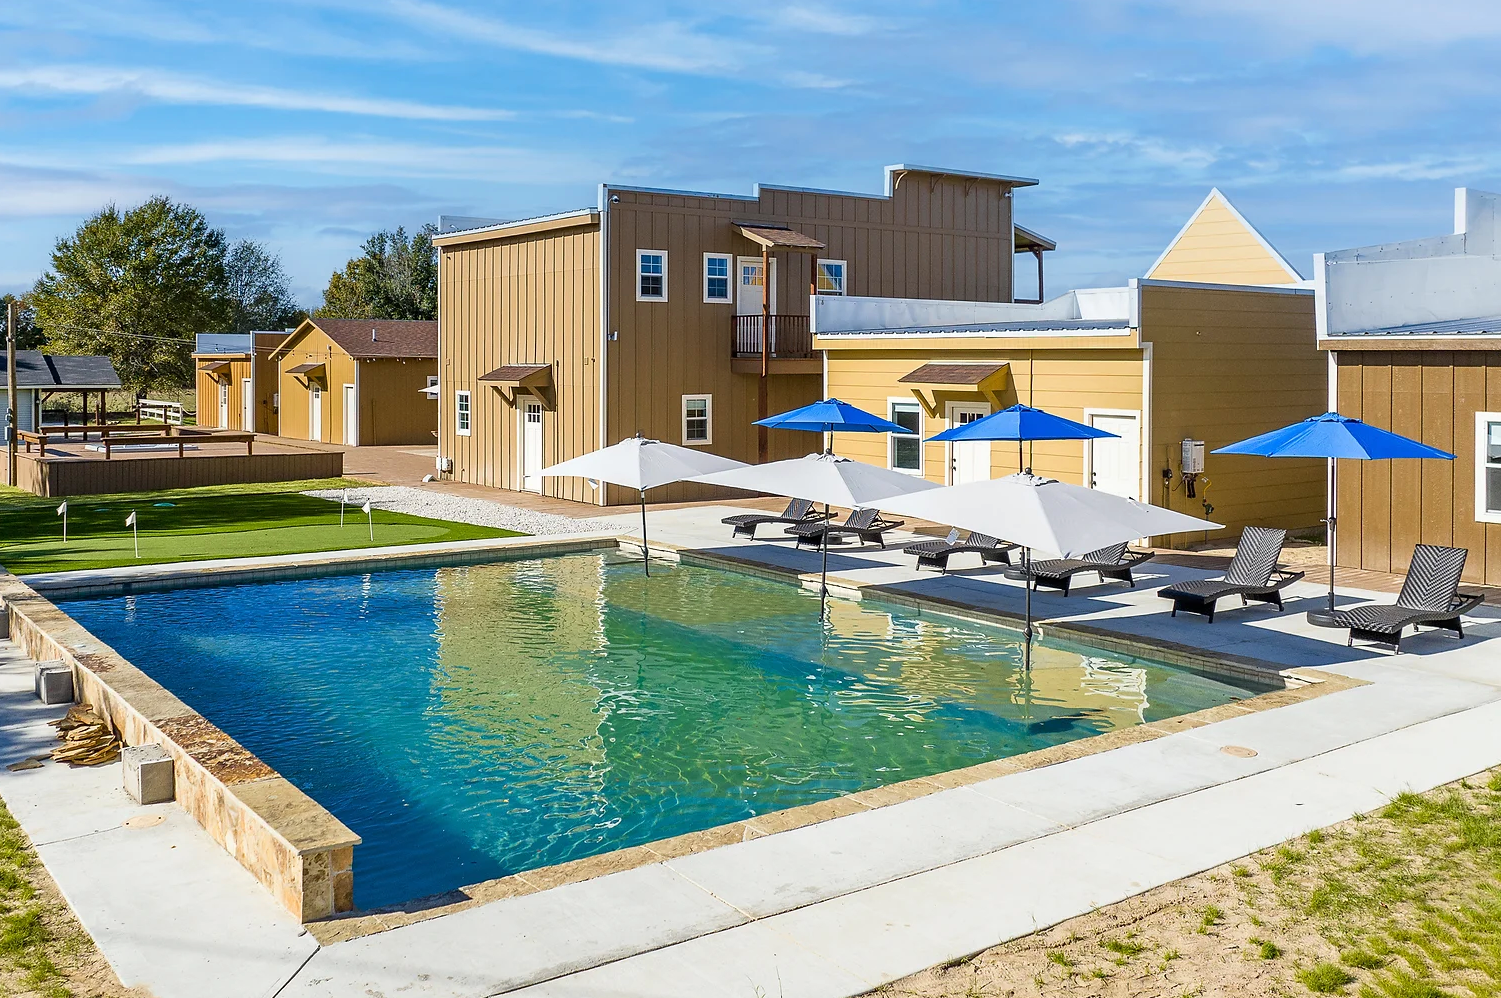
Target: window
{"points": [[461, 413], [432, 381], [906, 450], [716, 277], [698, 419], [1488, 467], [831, 277], [651, 275]]}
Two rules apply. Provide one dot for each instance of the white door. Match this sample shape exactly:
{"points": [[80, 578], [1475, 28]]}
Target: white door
{"points": [[531, 447], [968, 462], [247, 406], [351, 417], [1114, 464], [748, 297], [224, 405], [315, 414]]}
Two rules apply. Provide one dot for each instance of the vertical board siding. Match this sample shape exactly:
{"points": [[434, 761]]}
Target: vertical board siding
{"points": [[1227, 365], [1386, 507], [393, 409]]}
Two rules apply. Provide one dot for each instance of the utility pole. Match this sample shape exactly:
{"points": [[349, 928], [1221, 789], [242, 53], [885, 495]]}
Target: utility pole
{"points": [[12, 316]]}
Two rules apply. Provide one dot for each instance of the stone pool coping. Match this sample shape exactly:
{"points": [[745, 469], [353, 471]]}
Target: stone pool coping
{"points": [[1297, 685], [289, 842]]}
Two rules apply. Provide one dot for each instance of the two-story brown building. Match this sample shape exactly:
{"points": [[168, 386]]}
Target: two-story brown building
{"points": [[649, 313]]}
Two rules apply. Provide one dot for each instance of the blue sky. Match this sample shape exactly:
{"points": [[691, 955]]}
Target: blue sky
{"points": [[309, 124]]}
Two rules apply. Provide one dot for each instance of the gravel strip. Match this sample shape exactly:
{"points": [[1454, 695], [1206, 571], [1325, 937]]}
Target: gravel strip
{"points": [[466, 509]]}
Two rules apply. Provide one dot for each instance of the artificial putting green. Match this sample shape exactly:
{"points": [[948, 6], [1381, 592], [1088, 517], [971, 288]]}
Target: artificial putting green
{"points": [[230, 521]]}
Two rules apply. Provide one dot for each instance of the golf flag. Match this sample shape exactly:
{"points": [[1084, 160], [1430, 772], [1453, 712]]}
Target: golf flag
{"points": [[342, 501], [370, 516], [62, 511], [130, 520], [135, 536]]}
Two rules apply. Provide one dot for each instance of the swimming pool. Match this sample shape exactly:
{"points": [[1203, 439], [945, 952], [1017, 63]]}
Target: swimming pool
{"points": [[477, 721]]}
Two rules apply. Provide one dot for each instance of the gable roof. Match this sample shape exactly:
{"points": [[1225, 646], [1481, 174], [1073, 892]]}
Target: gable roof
{"points": [[1218, 246], [35, 369], [402, 338]]}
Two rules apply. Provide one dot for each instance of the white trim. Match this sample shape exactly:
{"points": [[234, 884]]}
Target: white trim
{"points": [[729, 279], [1135, 414], [601, 493], [524, 408], [463, 418], [1333, 379], [708, 400], [891, 438], [344, 394], [1483, 515], [651, 252], [1214, 192], [1144, 427], [1302, 287], [895, 168], [501, 227], [985, 409], [844, 276], [976, 334]]}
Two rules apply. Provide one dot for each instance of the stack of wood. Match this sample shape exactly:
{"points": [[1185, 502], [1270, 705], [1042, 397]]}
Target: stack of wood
{"points": [[86, 738]]}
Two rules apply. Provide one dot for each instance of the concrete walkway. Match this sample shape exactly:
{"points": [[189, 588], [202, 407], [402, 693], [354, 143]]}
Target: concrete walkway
{"points": [[836, 908]]}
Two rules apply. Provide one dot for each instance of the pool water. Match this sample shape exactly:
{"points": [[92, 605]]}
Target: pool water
{"points": [[479, 721]]}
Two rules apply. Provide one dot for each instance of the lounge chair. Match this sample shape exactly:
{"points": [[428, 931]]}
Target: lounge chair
{"points": [[935, 554], [1253, 574], [1430, 596], [865, 524], [1113, 562], [797, 511]]}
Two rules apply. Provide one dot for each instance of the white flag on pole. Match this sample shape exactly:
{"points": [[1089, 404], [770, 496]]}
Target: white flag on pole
{"points": [[365, 508], [130, 520], [369, 518], [62, 510]]}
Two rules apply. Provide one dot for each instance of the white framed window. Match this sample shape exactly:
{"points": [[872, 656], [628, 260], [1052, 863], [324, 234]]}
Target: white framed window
{"points": [[831, 277], [698, 420], [717, 277], [905, 450], [1488, 467], [461, 413], [432, 381], [651, 275]]}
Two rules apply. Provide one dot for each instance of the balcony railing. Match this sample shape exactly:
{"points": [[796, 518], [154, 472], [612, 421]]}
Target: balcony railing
{"points": [[790, 337]]}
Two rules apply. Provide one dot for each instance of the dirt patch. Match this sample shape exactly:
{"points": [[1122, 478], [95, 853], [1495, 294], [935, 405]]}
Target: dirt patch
{"points": [[1404, 903]]}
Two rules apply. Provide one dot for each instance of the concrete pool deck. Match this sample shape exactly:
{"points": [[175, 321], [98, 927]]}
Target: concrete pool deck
{"points": [[839, 907]]}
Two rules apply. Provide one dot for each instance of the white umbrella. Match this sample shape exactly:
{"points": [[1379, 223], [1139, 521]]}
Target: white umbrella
{"points": [[1042, 513], [641, 464], [825, 478]]}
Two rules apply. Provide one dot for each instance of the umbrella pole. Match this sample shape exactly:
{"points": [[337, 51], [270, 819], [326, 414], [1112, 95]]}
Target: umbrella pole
{"points": [[645, 553], [1332, 523], [1027, 631], [823, 582]]}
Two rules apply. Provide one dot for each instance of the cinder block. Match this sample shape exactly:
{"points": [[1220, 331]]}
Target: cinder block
{"points": [[54, 682], [148, 774]]}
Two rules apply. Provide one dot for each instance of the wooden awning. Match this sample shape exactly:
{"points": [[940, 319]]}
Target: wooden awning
{"points": [[778, 237], [309, 372], [956, 379], [214, 367], [533, 379]]}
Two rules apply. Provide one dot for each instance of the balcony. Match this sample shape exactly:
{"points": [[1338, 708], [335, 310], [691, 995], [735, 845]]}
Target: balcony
{"points": [[789, 345]]}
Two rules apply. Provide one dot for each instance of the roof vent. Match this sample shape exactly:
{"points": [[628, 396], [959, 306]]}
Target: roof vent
{"points": [[372, 334]]}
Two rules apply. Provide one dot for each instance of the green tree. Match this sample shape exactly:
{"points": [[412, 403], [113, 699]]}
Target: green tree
{"points": [[137, 285], [395, 277], [258, 290], [28, 336]]}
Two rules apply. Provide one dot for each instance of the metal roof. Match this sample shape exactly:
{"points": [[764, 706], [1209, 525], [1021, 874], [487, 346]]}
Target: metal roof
{"points": [[984, 328], [1489, 325]]}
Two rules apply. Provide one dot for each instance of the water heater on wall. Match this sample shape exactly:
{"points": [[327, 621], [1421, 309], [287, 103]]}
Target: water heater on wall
{"points": [[1193, 457]]}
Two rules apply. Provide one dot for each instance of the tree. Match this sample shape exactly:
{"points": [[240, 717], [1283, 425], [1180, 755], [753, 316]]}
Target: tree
{"points": [[137, 286], [396, 277], [259, 295], [28, 336]]}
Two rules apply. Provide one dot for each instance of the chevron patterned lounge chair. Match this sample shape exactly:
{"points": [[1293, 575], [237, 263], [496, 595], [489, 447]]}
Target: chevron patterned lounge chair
{"points": [[1430, 596], [1253, 574], [797, 511], [865, 524], [1113, 562], [935, 554]]}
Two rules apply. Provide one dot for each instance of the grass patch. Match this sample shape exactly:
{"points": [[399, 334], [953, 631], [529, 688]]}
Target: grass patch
{"points": [[1060, 958], [1265, 948], [1209, 916], [1122, 947], [227, 521], [1325, 978]]}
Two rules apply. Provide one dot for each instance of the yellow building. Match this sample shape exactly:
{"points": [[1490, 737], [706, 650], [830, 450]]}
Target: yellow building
{"points": [[1224, 350], [359, 381], [237, 380]]}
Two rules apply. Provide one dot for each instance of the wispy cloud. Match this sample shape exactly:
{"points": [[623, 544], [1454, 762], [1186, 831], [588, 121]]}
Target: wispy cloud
{"points": [[172, 88]]}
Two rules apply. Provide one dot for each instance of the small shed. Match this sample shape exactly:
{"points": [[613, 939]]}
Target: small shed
{"points": [[40, 376], [358, 381], [236, 380]]}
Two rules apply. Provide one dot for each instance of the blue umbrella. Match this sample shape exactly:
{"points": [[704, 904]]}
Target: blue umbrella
{"points": [[829, 416], [1333, 436], [1021, 422]]}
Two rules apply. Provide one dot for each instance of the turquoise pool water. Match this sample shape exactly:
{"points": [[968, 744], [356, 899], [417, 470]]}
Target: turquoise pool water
{"points": [[479, 721]]}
